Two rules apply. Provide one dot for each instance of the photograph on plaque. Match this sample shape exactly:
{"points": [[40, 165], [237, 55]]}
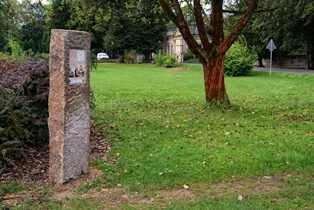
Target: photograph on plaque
{"points": [[77, 71]]}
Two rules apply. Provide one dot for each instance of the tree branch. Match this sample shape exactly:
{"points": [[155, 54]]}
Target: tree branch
{"points": [[256, 11], [217, 23], [168, 11], [200, 25], [178, 19], [239, 27]]}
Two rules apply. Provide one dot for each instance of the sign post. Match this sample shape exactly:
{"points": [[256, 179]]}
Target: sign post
{"points": [[271, 47]]}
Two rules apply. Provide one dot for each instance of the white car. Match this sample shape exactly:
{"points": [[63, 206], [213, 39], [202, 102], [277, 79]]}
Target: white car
{"points": [[102, 56]]}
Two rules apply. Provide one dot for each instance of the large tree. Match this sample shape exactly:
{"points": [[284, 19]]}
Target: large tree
{"points": [[150, 28], [11, 21], [211, 52], [135, 25], [34, 17]]}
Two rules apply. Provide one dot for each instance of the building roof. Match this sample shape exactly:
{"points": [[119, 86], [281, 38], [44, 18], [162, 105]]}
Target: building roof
{"points": [[172, 32]]}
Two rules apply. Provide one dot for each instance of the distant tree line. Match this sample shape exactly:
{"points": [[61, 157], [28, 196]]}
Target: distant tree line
{"points": [[116, 26]]}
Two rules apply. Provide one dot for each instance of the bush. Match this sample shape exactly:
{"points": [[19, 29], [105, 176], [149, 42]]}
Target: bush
{"points": [[129, 57], [16, 50], [188, 55], [239, 60], [24, 86], [165, 60]]}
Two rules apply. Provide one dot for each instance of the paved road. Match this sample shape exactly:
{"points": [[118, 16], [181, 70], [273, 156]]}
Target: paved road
{"points": [[297, 71]]}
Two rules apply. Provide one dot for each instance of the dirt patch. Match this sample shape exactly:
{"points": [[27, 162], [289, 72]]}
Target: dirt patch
{"points": [[259, 185], [32, 172], [178, 69]]}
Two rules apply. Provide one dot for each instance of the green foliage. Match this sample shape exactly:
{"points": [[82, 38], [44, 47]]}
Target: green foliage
{"points": [[10, 22], [16, 50], [165, 60], [285, 24], [28, 45], [135, 25], [34, 26], [4, 55], [239, 60], [23, 105], [188, 55]]}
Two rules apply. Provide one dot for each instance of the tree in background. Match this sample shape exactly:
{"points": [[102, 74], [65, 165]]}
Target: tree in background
{"points": [[11, 21], [3, 28], [89, 16], [308, 18], [58, 15], [135, 25], [118, 37], [289, 23], [214, 45], [151, 28], [34, 21]]}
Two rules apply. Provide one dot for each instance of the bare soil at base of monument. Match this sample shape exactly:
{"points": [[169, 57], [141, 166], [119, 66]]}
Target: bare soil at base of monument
{"points": [[32, 170]]}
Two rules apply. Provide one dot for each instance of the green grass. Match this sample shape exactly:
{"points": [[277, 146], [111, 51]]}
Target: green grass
{"points": [[10, 187], [165, 136]]}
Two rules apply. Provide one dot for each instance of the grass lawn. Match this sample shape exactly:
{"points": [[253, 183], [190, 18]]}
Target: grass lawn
{"points": [[171, 150], [164, 136]]}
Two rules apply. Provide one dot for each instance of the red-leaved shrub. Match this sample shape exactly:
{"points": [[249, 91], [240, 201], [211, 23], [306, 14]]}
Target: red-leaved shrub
{"points": [[24, 88]]}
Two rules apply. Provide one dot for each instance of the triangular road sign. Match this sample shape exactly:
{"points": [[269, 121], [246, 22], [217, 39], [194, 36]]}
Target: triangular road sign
{"points": [[271, 45]]}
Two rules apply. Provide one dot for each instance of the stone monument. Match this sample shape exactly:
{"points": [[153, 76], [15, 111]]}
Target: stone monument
{"points": [[69, 104]]}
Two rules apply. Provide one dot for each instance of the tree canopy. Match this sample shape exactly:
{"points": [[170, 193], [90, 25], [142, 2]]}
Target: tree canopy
{"points": [[288, 22]]}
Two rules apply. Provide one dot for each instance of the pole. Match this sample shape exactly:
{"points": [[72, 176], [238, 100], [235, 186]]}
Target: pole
{"points": [[271, 59]]}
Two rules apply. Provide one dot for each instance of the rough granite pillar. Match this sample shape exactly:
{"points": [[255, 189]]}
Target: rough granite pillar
{"points": [[69, 104]]}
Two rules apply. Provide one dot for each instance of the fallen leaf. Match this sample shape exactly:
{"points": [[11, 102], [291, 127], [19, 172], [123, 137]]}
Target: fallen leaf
{"points": [[151, 155], [227, 133], [161, 173], [125, 197]]}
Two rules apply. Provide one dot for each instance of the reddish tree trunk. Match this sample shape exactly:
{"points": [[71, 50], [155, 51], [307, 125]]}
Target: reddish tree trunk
{"points": [[214, 82]]}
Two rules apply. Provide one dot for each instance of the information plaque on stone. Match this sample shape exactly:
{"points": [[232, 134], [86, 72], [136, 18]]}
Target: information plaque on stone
{"points": [[77, 70]]}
